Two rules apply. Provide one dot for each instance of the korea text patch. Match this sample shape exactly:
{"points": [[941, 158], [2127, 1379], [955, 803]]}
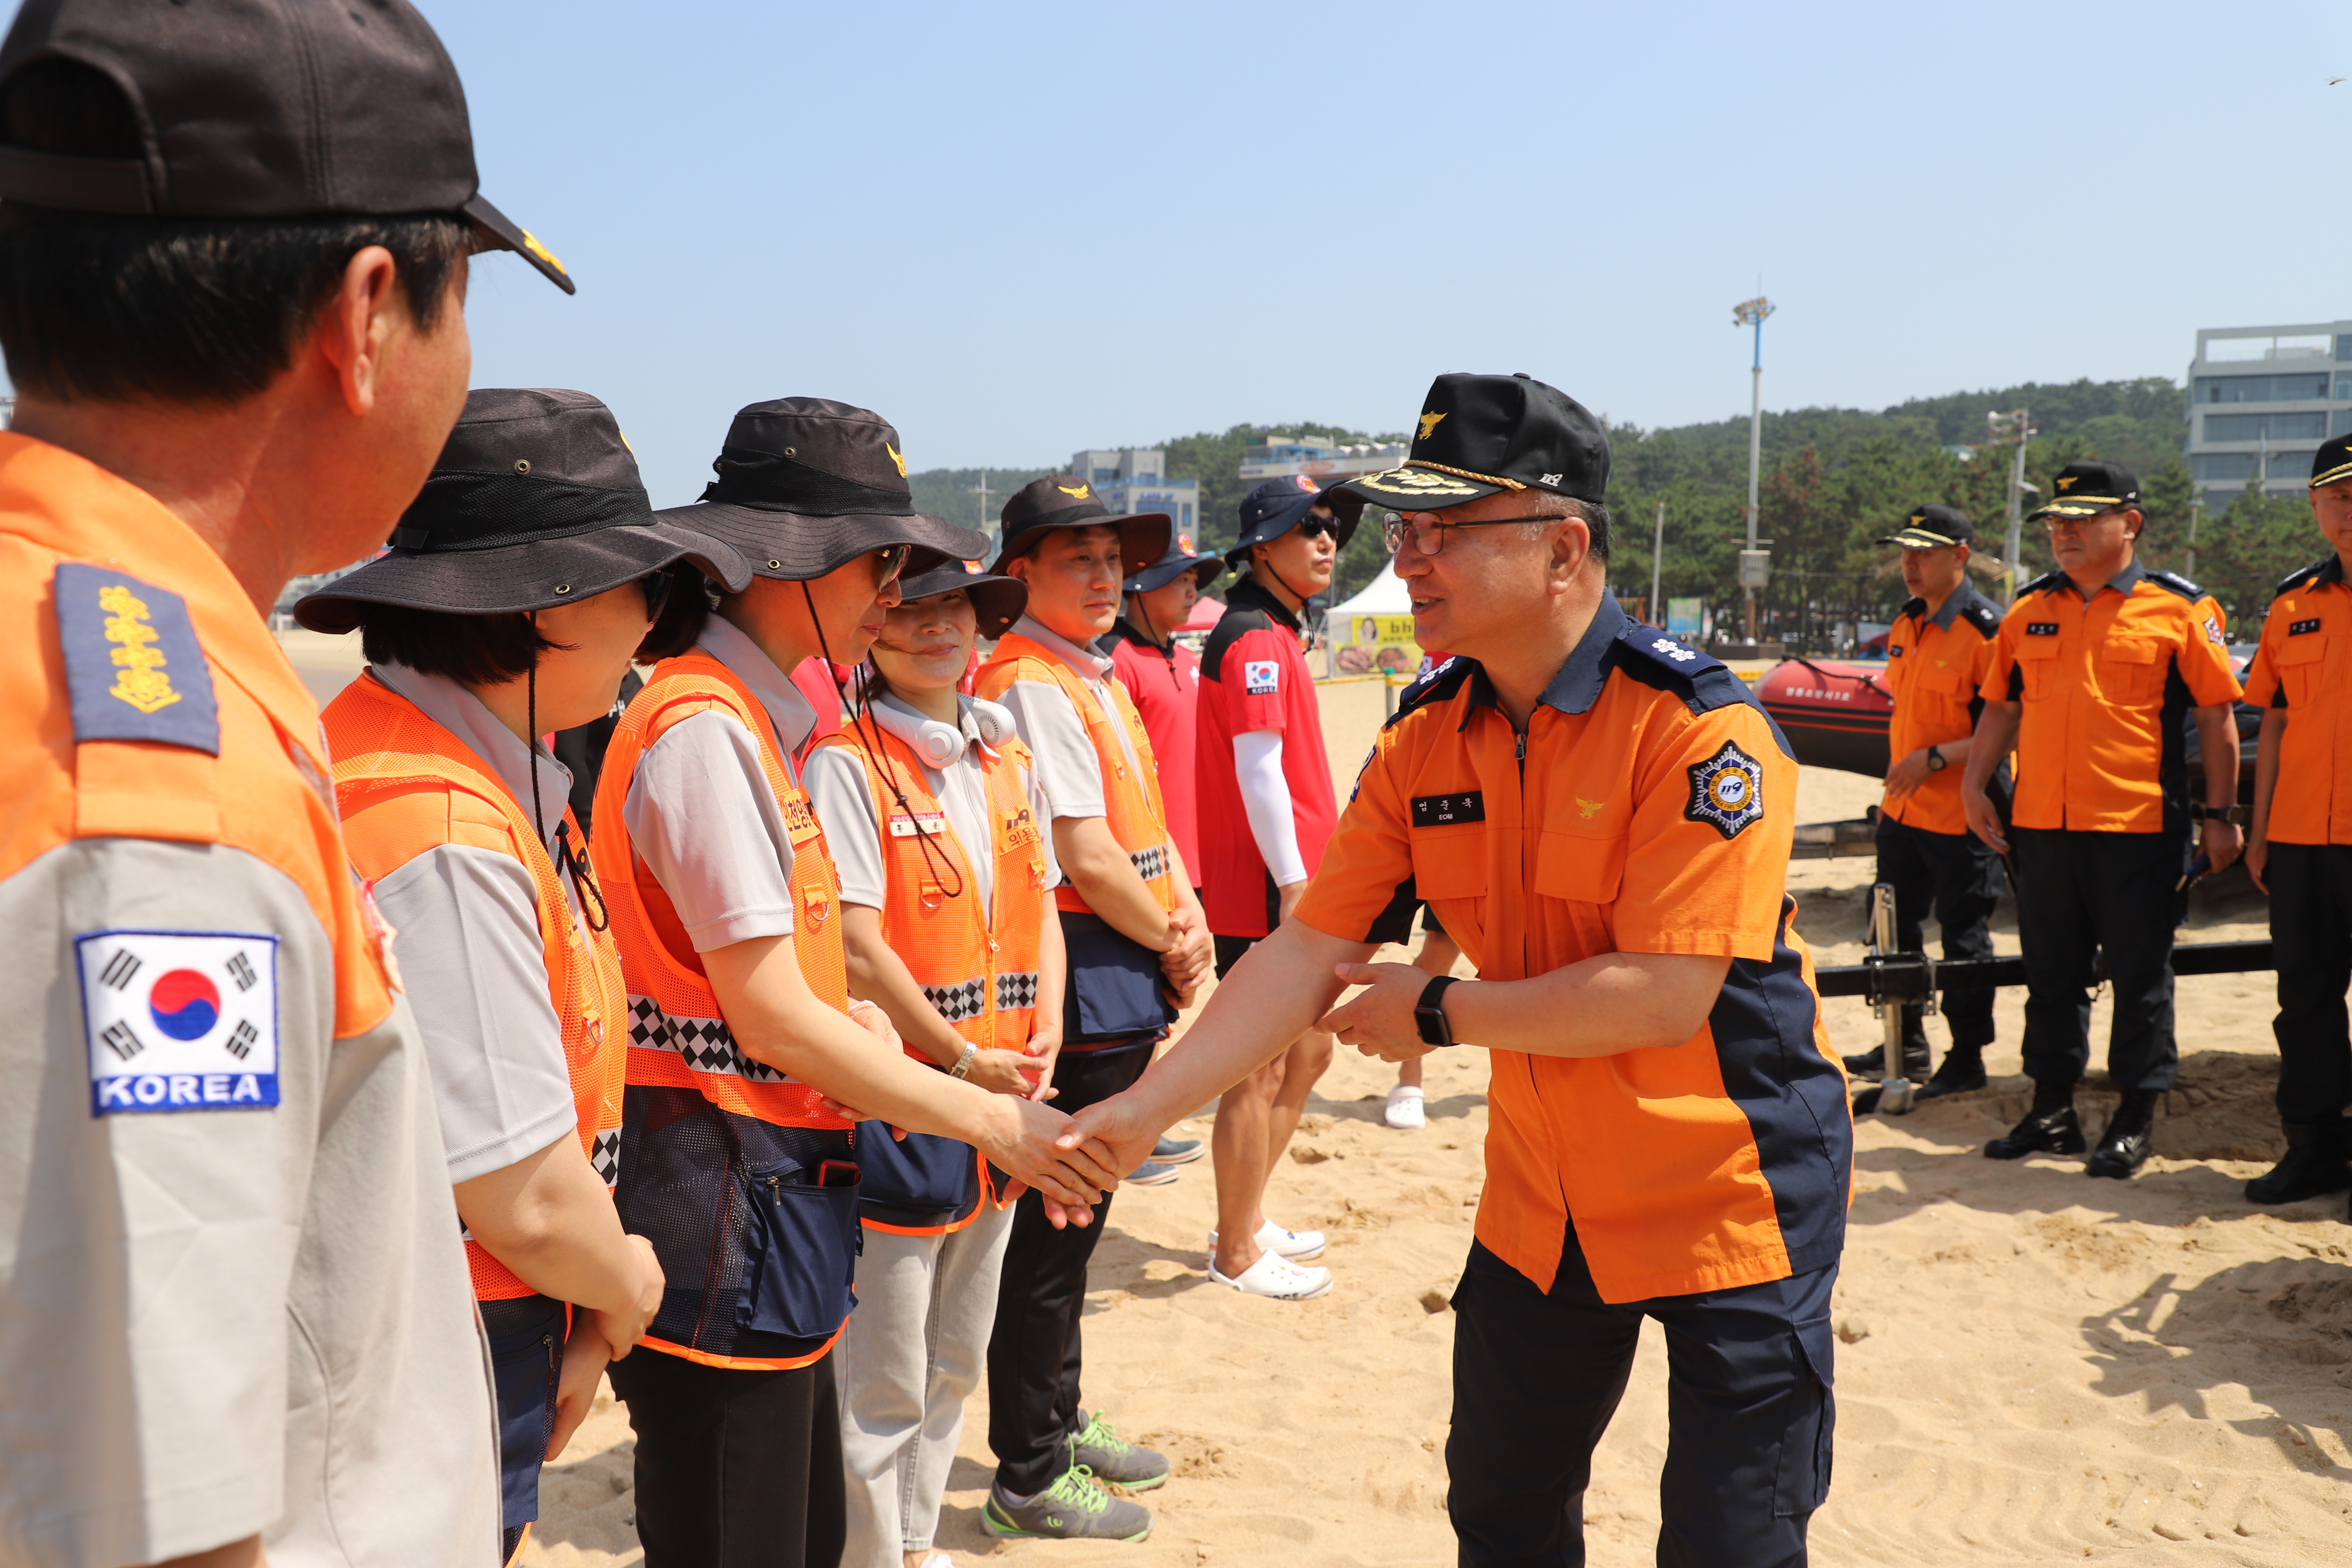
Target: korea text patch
{"points": [[1726, 791], [179, 1020], [1261, 677]]}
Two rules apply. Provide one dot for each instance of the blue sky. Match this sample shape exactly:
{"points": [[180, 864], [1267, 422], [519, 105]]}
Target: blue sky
{"points": [[1020, 229]]}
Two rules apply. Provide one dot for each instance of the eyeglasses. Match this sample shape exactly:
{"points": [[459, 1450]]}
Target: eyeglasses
{"points": [[1427, 531], [888, 562]]}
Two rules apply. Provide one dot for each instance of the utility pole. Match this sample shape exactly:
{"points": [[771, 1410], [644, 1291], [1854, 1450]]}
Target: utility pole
{"points": [[1754, 563], [981, 490], [1657, 559], [2195, 505], [2015, 427]]}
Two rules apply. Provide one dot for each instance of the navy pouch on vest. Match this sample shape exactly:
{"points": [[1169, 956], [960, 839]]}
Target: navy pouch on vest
{"points": [[801, 1241], [1114, 990], [923, 1175]]}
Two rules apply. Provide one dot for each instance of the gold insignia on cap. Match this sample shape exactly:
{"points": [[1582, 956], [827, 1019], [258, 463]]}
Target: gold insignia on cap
{"points": [[1080, 492], [1428, 423], [530, 243], [896, 459], [1917, 518], [2066, 482]]}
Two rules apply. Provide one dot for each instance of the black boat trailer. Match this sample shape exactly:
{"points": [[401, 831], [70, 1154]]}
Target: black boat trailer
{"points": [[1887, 979]]}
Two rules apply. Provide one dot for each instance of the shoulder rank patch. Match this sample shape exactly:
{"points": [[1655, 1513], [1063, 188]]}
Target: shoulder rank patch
{"points": [[2047, 580], [1726, 791], [2176, 584], [179, 1020], [134, 668], [1983, 616]]}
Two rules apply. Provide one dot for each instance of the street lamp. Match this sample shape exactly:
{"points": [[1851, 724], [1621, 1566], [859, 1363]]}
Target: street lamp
{"points": [[2019, 428], [1754, 563]]}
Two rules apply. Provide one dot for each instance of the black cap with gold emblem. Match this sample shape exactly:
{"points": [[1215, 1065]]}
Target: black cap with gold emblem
{"points": [[807, 484], [2089, 488], [1064, 501], [248, 109], [2333, 462], [1933, 528], [1481, 434]]}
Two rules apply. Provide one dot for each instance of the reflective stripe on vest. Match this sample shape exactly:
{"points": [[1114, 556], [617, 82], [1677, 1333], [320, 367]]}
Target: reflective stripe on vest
{"points": [[1138, 821], [677, 1036], [386, 748], [981, 975]]}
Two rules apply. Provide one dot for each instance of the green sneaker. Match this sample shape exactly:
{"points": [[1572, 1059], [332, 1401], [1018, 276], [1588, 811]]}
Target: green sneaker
{"points": [[1073, 1508], [1103, 1451]]}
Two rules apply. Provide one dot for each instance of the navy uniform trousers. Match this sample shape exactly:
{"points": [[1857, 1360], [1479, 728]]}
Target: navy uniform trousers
{"points": [[2311, 941], [1956, 875], [1536, 1375], [2081, 894]]}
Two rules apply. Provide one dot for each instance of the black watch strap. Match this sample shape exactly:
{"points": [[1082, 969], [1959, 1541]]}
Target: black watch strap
{"points": [[1429, 1013]]}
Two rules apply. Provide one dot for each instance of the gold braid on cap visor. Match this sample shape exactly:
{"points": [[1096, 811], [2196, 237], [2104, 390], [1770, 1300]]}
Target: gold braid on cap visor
{"points": [[1397, 474], [2340, 471]]}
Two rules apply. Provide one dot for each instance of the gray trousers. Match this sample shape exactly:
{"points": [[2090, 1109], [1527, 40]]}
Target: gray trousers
{"points": [[910, 1355]]}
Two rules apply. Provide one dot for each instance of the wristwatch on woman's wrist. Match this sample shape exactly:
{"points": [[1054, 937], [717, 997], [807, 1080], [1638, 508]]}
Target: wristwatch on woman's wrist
{"points": [[963, 1063]]}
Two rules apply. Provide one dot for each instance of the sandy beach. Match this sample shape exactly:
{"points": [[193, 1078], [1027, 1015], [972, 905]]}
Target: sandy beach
{"points": [[2037, 1367]]}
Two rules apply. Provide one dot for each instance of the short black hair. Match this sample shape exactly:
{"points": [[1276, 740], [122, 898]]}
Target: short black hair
{"points": [[175, 311], [476, 650], [692, 597]]}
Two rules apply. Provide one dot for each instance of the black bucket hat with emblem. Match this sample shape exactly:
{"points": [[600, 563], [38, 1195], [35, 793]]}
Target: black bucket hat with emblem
{"points": [[254, 110], [1277, 506], [2332, 462], [996, 602], [1933, 528], [1479, 435], [1205, 569], [2087, 488], [534, 502], [806, 485], [1065, 501]]}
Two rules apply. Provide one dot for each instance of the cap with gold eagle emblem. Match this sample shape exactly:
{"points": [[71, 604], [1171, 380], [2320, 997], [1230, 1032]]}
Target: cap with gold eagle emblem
{"points": [[1065, 501], [2087, 488], [2332, 463], [807, 484], [1933, 528], [1478, 434], [244, 110]]}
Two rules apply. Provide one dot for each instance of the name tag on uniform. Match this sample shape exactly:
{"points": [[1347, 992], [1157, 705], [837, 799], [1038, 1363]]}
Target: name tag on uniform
{"points": [[929, 821], [2296, 628], [2042, 629], [179, 1020], [1445, 810]]}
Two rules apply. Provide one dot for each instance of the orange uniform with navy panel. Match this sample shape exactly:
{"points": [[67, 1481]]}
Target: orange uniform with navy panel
{"points": [[1934, 664]]}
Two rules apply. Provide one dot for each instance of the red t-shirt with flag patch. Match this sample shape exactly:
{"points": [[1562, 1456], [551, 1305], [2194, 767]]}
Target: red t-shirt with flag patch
{"points": [[1254, 677]]}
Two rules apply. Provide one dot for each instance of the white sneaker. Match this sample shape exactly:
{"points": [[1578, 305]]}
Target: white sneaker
{"points": [[939, 1559], [1297, 1245], [1404, 1111], [1277, 1278]]}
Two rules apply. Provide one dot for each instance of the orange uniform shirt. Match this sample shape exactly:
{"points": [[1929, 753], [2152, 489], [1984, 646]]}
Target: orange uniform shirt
{"points": [[2105, 684], [1934, 666], [2305, 667], [1648, 809]]}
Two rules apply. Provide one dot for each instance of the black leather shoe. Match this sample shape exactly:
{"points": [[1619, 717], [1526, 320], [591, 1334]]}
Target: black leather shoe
{"points": [[1960, 1071], [1872, 1064], [2129, 1139], [2049, 1127], [2314, 1163]]}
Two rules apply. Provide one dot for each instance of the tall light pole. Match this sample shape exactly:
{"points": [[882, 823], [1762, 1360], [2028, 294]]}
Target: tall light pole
{"points": [[1752, 561], [2019, 428], [1657, 562]]}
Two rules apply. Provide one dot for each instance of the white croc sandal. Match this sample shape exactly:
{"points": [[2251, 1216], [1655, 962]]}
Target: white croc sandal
{"points": [[1405, 1111], [1298, 1246], [1277, 1278]]}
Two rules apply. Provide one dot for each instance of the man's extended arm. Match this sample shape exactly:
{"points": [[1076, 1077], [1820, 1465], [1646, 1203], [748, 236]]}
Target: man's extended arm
{"points": [[1600, 1006], [1996, 736], [2217, 738], [2266, 761]]}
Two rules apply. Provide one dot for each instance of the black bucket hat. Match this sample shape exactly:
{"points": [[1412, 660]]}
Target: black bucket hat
{"points": [[1277, 506], [255, 111], [806, 485], [1207, 569], [996, 601], [534, 502], [1064, 501], [2087, 488], [1481, 434], [1934, 528]]}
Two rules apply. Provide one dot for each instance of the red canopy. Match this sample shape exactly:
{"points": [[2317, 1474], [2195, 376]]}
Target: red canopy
{"points": [[1205, 612]]}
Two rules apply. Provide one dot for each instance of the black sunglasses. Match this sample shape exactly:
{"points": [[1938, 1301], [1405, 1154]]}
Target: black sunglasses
{"points": [[1320, 527], [656, 589]]}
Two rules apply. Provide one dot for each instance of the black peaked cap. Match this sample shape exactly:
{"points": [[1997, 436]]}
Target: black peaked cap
{"points": [[1478, 434], [1933, 527], [2089, 488], [2332, 462]]}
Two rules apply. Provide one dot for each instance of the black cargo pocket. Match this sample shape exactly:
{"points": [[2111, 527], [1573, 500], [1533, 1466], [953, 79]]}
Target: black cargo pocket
{"points": [[1114, 983], [920, 1172], [1804, 1482], [800, 1246]]}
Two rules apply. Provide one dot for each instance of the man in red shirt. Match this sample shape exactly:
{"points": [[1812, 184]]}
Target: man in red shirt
{"points": [[1164, 679], [1266, 809]]}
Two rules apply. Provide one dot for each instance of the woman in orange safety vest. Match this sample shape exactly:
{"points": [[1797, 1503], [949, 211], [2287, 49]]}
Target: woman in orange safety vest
{"points": [[520, 583], [936, 821]]}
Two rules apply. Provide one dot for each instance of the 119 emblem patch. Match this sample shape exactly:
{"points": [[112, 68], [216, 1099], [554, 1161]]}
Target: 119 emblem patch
{"points": [[1726, 791], [179, 1020]]}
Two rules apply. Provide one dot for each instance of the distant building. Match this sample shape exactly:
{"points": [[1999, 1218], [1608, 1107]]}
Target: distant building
{"points": [[1282, 457], [2261, 400], [1137, 481]]}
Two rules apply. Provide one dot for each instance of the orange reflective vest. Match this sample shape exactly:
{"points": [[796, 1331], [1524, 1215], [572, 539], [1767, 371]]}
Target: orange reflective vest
{"points": [[1138, 817], [407, 786], [697, 1172]]}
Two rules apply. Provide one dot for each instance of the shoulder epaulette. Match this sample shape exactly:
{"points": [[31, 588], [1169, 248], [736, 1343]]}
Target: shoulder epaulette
{"points": [[1434, 686], [1703, 681], [2047, 580], [1983, 615], [2173, 582], [134, 670], [2296, 578]]}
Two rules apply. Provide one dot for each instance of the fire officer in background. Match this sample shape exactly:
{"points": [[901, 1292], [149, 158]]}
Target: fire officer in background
{"points": [[1267, 810], [1936, 660], [233, 311], [2093, 672], [458, 819], [2300, 846], [1603, 817]]}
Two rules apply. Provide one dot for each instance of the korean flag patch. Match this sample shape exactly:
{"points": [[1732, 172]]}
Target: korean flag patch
{"points": [[1261, 677], [179, 1020], [1726, 791]]}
